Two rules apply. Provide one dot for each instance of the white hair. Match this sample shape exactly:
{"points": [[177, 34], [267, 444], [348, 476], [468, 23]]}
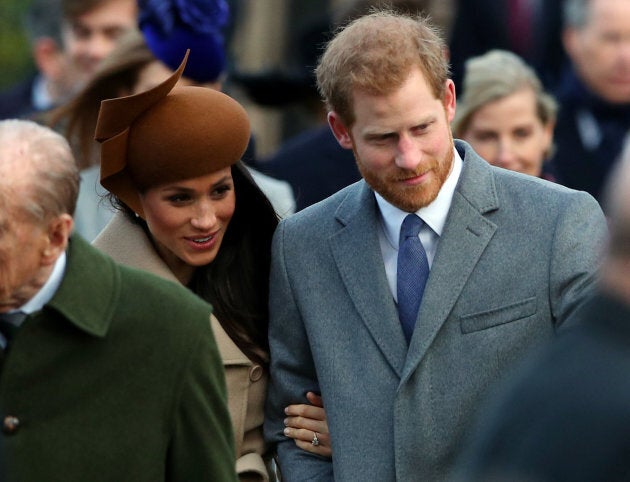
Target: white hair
{"points": [[52, 173]]}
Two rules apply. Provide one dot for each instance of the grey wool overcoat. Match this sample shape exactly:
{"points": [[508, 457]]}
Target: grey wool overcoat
{"points": [[516, 257]]}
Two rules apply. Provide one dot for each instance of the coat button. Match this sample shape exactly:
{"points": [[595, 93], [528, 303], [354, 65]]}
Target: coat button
{"points": [[255, 373], [10, 424]]}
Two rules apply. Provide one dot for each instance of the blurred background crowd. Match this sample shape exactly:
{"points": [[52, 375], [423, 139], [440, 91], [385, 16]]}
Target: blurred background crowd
{"points": [[570, 57]]}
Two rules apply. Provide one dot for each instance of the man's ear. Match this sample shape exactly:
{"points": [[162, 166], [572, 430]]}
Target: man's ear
{"points": [[340, 131], [47, 56], [59, 231], [570, 41], [449, 100]]}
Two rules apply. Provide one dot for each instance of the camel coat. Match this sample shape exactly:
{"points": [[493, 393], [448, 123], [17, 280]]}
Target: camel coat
{"points": [[246, 381]]}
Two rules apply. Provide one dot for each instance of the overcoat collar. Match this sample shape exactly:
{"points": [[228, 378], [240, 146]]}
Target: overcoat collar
{"points": [[88, 295], [355, 247], [128, 244]]}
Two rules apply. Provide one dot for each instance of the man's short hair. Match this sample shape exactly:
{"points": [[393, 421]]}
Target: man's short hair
{"points": [[54, 170], [575, 13], [376, 53], [74, 8], [43, 18]]}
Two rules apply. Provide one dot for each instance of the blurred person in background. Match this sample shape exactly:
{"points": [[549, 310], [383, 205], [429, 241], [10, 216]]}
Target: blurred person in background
{"points": [[564, 415], [90, 30], [529, 28], [53, 82], [594, 93], [69, 39], [134, 66], [76, 119], [505, 115]]}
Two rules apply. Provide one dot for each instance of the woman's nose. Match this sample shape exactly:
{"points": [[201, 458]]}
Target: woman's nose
{"points": [[204, 216], [506, 153]]}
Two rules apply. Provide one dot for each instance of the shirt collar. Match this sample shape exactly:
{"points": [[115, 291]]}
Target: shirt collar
{"points": [[40, 98], [45, 294], [434, 215]]}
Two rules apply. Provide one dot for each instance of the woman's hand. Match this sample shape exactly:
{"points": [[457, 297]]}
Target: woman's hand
{"points": [[307, 426]]}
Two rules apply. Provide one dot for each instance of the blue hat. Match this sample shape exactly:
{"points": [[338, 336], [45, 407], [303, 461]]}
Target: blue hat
{"points": [[171, 27]]}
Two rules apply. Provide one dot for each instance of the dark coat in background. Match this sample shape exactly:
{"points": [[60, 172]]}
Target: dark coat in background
{"points": [[589, 136], [314, 164], [566, 415], [16, 102], [482, 25]]}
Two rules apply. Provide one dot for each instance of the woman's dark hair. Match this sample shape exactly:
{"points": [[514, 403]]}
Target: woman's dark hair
{"points": [[236, 283]]}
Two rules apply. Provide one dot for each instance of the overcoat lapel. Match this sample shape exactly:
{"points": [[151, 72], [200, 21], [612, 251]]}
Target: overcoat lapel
{"points": [[356, 250], [128, 244], [466, 234]]}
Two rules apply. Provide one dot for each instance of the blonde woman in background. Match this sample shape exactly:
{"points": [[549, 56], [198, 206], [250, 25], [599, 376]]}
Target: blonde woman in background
{"points": [[505, 114]]}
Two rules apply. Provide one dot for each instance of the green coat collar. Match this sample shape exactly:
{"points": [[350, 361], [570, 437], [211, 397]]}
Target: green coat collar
{"points": [[88, 294]]}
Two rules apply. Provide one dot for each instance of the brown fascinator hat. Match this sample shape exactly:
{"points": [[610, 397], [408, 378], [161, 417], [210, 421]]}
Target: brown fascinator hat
{"points": [[167, 134]]}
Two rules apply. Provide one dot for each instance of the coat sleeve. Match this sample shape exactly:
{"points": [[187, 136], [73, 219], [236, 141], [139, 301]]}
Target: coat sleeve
{"points": [[202, 442], [292, 371], [577, 250]]}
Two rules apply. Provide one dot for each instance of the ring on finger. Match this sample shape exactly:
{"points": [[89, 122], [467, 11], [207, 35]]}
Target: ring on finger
{"points": [[315, 440]]}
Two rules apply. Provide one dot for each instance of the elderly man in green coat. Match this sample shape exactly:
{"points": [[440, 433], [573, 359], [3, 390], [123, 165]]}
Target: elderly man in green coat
{"points": [[107, 373]]}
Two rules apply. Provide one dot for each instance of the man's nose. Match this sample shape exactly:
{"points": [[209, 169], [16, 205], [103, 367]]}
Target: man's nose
{"points": [[100, 46], [408, 154]]}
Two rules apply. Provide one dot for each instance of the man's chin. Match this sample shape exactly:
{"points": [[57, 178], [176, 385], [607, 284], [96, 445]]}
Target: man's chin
{"points": [[6, 306], [409, 199]]}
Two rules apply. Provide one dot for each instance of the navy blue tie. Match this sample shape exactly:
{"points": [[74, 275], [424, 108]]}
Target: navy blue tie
{"points": [[9, 324], [413, 272]]}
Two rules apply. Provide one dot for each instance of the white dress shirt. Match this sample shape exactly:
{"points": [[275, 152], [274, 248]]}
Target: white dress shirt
{"points": [[433, 215], [45, 294]]}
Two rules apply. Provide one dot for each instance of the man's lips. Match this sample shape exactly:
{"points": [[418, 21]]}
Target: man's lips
{"points": [[415, 179]]}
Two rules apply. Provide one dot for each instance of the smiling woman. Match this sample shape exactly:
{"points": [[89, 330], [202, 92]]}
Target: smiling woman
{"points": [[505, 115], [190, 212], [188, 220]]}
